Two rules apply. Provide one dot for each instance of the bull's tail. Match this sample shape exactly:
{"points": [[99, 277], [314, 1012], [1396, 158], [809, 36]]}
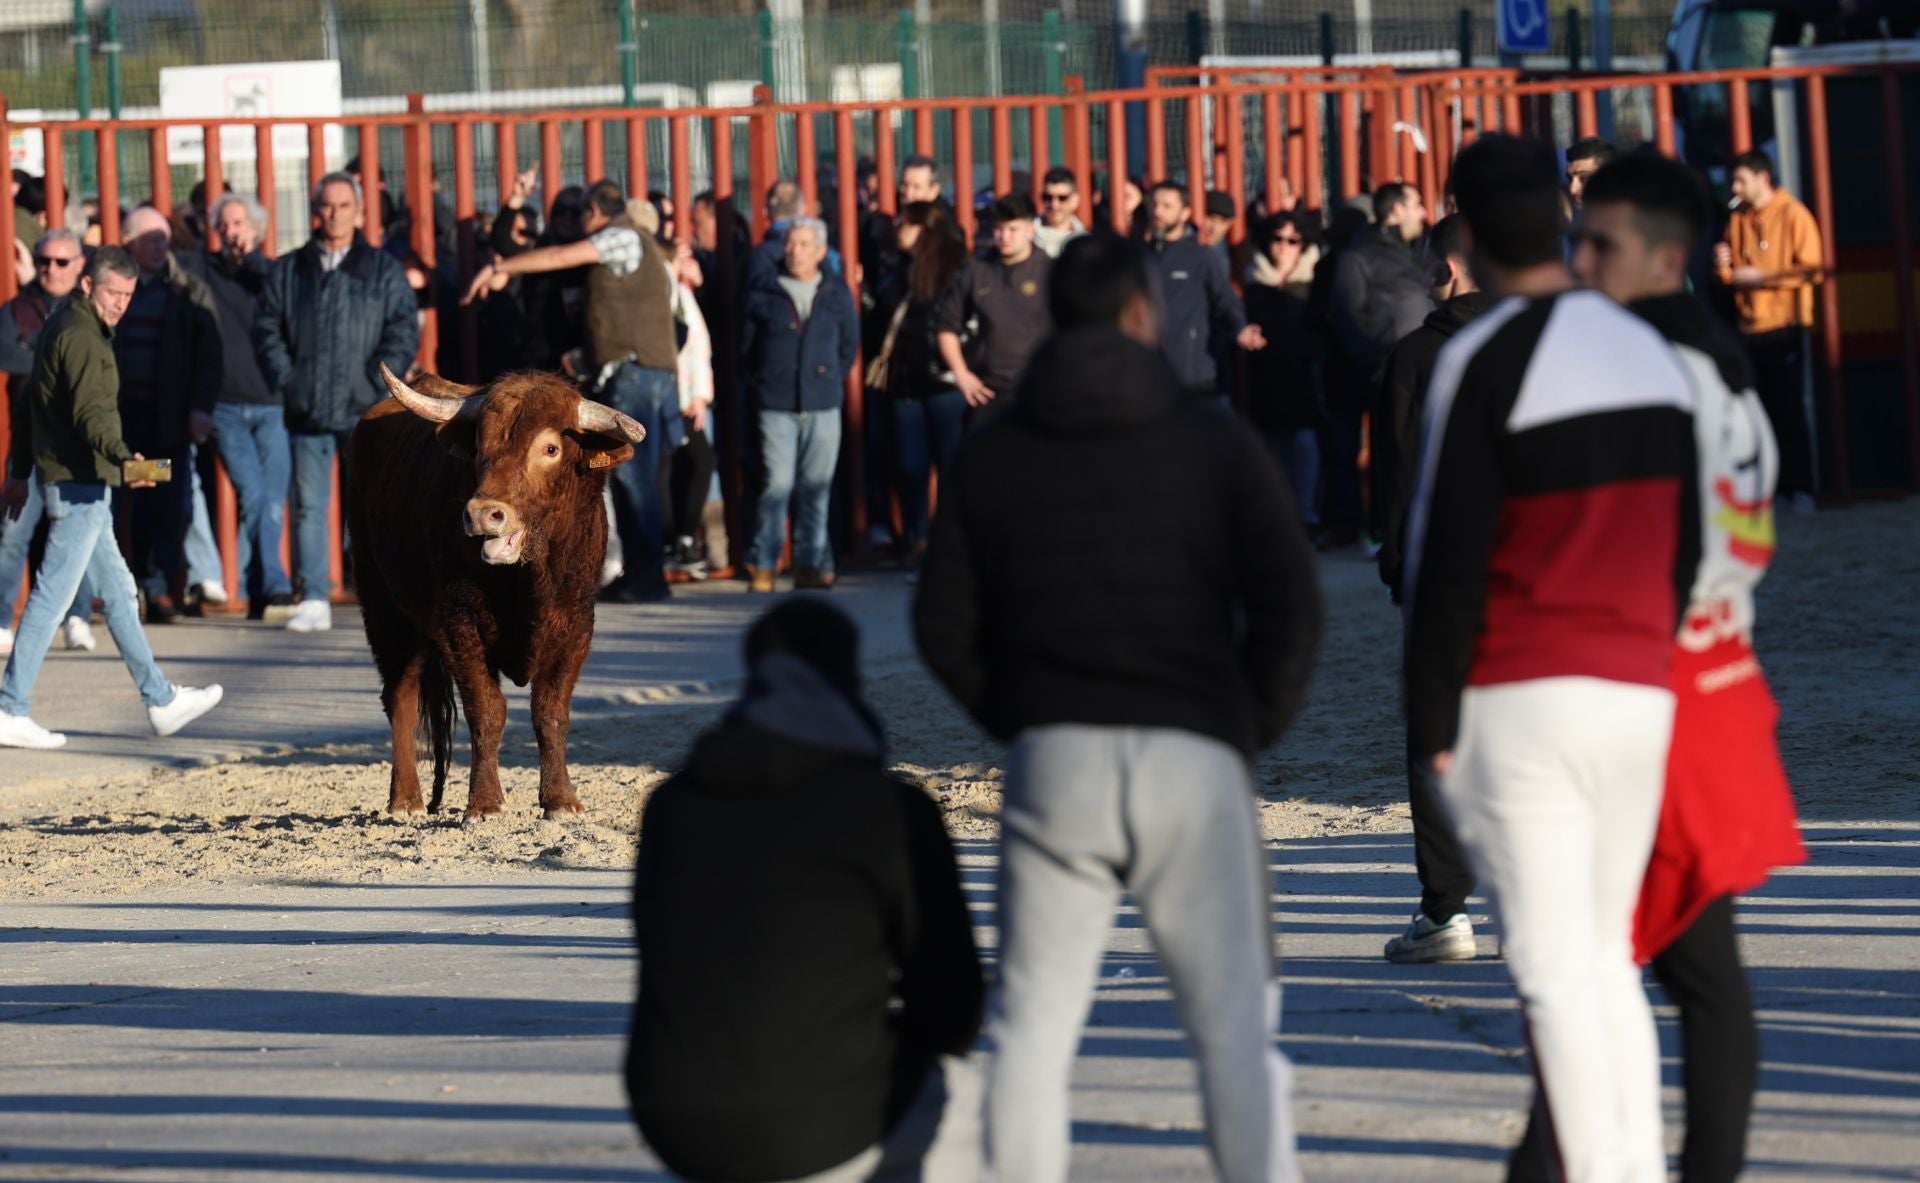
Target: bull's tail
{"points": [[438, 717]]}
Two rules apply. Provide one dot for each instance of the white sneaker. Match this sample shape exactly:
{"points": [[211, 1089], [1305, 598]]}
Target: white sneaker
{"points": [[18, 731], [213, 591], [189, 703], [6, 641], [76, 633], [611, 570], [1425, 941], [312, 616]]}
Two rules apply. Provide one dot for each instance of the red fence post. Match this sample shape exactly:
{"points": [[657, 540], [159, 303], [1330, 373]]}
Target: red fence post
{"points": [[466, 221], [162, 171], [263, 183], [108, 155], [1314, 192], [962, 169], [637, 178], [1820, 145], [1349, 143], [371, 184], [923, 132], [1002, 134], [682, 188], [506, 165], [883, 161], [593, 134], [1156, 169], [316, 156], [215, 181], [805, 163], [1663, 130], [418, 173], [1116, 165], [1586, 113], [853, 438], [1740, 116], [725, 363], [53, 171], [1273, 127], [1196, 155], [1039, 153], [1236, 178]]}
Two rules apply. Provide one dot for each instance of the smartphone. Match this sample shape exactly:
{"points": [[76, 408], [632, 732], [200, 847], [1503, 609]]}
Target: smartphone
{"points": [[135, 471]]}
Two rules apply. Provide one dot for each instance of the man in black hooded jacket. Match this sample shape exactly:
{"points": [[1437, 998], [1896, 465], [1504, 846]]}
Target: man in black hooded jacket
{"points": [[788, 893], [1118, 584], [1440, 930]]}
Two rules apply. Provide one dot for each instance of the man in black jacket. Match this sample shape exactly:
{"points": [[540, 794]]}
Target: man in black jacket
{"points": [[1196, 294], [249, 423], [1118, 585], [1379, 294], [789, 892], [1440, 930], [330, 315], [995, 315], [171, 369]]}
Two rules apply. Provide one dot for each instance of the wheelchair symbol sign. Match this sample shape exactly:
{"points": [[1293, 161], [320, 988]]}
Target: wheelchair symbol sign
{"points": [[1524, 27]]}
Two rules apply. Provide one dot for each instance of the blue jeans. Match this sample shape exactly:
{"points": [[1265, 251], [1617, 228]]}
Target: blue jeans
{"points": [[203, 556], [653, 398], [926, 434], [81, 545], [15, 537], [1298, 452], [800, 451], [313, 457], [253, 444]]}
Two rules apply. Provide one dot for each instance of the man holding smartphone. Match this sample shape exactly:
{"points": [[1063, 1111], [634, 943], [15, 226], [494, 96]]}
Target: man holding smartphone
{"points": [[66, 435]]}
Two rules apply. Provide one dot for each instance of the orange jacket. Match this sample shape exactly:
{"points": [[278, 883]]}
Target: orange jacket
{"points": [[1783, 242]]}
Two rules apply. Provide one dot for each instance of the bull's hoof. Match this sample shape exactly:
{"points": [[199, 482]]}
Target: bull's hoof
{"points": [[481, 813], [560, 809], [413, 808]]}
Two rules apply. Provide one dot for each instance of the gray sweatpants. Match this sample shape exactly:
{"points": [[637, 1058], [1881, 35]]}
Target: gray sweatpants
{"points": [[1168, 815]]}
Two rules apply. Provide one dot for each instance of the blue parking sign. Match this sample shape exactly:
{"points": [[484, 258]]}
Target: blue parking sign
{"points": [[1524, 26]]}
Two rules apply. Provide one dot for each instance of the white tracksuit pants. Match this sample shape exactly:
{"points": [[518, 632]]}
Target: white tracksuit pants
{"points": [[1169, 815], [1555, 788]]}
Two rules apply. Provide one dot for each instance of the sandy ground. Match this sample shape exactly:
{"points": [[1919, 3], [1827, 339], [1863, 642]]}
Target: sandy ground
{"points": [[1839, 636]]}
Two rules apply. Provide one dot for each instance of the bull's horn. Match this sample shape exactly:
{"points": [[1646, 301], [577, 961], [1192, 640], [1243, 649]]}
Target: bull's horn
{"points": [[434, 408], [599, 417]]}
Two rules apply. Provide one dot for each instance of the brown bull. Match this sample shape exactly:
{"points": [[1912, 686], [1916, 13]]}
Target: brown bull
{"points": [[477, 538]]}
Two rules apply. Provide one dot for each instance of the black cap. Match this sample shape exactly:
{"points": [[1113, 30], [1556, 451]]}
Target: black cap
{"points": [[1220, 205]]}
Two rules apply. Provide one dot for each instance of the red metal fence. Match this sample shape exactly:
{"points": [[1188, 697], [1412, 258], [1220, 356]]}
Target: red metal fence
{"points": [[1323, 134]]}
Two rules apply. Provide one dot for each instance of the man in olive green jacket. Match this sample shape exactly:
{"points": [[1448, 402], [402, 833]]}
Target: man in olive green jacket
{"points": [[66, 435]]}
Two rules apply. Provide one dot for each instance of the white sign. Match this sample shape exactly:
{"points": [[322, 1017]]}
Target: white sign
{"points": [[255, 90]]}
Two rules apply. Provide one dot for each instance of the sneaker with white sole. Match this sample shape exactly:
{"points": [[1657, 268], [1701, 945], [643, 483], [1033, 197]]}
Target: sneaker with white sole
{"points": [[610, 572], [18, 731], [189, 703], [1425, 941], [6, 641], [312, 616], [77, 633], [212, 591]]}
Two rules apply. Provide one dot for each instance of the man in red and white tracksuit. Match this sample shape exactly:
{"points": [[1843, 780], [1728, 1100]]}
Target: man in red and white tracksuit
{"points": [[1727, 815], [1552, 542]]}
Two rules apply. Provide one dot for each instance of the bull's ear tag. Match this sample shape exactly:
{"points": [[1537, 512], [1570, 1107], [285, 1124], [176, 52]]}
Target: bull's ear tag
{"points": [[608, 458]]}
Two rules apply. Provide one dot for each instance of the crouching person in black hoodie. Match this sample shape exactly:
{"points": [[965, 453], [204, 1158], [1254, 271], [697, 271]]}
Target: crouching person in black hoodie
{"points": [[1118, 584], [808, 977]]}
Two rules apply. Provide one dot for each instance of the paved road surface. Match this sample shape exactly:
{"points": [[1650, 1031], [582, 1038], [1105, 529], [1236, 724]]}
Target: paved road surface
{"points": [[474, 1031]]}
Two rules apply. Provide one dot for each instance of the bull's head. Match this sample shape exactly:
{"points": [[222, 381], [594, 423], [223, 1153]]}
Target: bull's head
{"points": [[531, 439]]}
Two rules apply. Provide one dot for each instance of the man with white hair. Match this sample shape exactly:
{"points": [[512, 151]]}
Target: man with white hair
{"points": [[799, 337], [58, 259], [330, 315], [249, 422], [171, 368]]}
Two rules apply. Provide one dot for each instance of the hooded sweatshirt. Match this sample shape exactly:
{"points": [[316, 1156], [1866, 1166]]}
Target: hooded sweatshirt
{"points": [[1111, 553], [1396, 434], [788, 892]]}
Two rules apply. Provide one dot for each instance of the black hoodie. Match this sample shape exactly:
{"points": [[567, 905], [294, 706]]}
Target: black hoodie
{"points": [[1396, 433], [788, 892], [1111, 553]]}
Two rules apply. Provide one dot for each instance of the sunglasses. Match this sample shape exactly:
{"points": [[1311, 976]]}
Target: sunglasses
{"points": [[46, 261], [1289, 239], [1052, 198]]}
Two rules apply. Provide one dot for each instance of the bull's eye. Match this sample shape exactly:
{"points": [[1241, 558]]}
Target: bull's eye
{"points": [[553, 449]]}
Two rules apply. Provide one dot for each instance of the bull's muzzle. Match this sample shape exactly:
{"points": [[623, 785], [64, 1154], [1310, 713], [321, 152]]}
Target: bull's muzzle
{"points": [[496, 522]]}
